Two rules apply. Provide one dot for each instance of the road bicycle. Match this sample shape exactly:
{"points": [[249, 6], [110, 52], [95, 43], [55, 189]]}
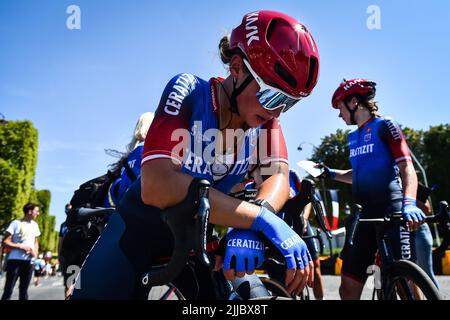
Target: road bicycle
{"points": [[399, 279], [191, 236]]}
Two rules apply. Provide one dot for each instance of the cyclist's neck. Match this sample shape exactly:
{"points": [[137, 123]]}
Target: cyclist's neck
{"points": [[228, 119], [363, 117]]}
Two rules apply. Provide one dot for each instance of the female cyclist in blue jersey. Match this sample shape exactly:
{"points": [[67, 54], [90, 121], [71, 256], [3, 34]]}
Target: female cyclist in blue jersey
{"points": [[218, 130], [383, 180], [130, 162]]}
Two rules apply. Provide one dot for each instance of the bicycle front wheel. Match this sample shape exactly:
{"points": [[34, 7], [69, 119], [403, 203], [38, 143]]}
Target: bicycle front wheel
{"points": [[407, 281], [277, 289]]}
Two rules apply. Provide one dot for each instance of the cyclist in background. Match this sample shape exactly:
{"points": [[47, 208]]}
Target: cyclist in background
{"points": [[130, 161], [379, 156], [211, 129], [423, 237], [312, 243]]}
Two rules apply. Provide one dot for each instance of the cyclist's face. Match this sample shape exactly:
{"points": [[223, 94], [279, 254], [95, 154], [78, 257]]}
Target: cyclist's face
{"points": [[344, 113], [251, 110]]}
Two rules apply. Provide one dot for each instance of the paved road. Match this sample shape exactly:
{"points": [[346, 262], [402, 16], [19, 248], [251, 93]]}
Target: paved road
{"points": [[52, 289]]}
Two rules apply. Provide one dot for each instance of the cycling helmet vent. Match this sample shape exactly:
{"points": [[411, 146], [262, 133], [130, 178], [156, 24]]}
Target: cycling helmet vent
{"points": [[285, 75], [270, 29], [313, 65]]}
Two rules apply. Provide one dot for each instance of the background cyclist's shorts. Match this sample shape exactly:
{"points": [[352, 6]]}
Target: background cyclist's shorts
{"points": [[312, 243]]}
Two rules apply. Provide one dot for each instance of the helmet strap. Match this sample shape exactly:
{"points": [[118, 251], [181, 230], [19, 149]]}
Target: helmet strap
{"points": [[352, 113], [237, 91]]}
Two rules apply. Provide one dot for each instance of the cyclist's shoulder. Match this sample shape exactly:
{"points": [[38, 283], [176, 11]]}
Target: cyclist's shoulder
{"points": [[186, 81], [387, 121]]}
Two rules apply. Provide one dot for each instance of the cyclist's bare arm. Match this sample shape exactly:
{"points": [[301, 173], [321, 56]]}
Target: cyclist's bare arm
{"points": [[164, 185], [344, 176], [409, 179], [307, 211], [275, 188]]}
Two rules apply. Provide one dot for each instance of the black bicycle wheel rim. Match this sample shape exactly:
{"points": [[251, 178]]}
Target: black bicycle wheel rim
{"points": [[275, 288], [403, 272]]}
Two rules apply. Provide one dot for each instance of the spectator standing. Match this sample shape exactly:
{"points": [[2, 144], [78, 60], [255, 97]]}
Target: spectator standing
{"points": [[21, 237]]}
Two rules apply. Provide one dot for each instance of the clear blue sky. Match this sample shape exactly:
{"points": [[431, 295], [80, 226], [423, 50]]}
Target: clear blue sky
{"points": [[84, 89]]}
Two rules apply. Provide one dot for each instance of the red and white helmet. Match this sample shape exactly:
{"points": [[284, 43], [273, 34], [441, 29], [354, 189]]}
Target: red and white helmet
{"points": [[363, 87], [280, 50]]}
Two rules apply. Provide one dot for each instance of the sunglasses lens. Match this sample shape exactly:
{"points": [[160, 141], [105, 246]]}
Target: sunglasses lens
{"points": [[271, 100]]}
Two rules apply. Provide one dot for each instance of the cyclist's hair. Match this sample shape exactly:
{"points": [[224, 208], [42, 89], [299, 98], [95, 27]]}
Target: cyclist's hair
{"points": [[366, 102], [139, 134], [29, 206], [140, 130], [226, 53]]}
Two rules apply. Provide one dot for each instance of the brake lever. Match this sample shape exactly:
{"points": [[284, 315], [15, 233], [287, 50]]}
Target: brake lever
{"points": [[356, 213], [201, 223], [320, 215]]}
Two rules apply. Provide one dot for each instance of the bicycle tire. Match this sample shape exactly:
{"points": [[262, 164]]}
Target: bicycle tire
{"points": [[165, 292], [403, 272], [275, 287]]}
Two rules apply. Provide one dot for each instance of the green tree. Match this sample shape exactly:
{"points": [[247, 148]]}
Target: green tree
{"points": [[437, 148], [18, 157], [18, 152]]}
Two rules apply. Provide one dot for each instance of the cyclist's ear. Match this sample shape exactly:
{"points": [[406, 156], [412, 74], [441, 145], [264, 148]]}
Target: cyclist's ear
{"points": [[237, 67]]}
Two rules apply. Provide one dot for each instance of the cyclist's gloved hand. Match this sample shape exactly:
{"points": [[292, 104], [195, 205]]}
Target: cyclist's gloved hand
{"points": [[292, 247], [412, 213], [327, 173], [244, 251]]}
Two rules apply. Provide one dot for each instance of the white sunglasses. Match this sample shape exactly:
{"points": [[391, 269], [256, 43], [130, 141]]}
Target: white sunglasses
{"points": [[270, 97]]}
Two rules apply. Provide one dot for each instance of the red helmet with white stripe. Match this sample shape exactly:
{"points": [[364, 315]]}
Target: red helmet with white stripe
{"points": [[362, 87], [280, 50]]}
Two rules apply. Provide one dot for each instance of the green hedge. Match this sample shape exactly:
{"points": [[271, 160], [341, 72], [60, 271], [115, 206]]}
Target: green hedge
{"points": [[18, 158]]}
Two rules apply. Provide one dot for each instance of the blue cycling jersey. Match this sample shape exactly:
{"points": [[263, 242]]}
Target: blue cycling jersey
{"points": [[185, 130], [134, 162], [121, 184], [294, 183], [375, 150]]}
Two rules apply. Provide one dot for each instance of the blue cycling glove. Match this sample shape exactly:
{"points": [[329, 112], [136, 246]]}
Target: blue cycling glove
{"points": [[246, 247], [410, 211], [286, 240], [327, 173]]}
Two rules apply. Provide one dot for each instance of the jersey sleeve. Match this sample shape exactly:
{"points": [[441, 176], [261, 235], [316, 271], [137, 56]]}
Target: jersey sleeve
{"points": [[37, 231], [295, 180], [393, 135], [13, 227], [169, 128], [272, 146]]}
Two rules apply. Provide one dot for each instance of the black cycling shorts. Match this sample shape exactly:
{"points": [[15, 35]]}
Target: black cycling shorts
{"points": [[312, 243]]}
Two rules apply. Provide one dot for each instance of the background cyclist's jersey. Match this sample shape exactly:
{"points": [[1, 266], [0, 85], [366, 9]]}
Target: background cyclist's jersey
{"points": [[375, 150], [185, 127], [134, 162], [121, 184], [294, 183]]}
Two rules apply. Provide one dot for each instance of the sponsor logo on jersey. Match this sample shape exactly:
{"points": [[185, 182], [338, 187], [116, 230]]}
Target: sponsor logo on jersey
{"points": [[368, 148], [181, 88], [393, 129]]}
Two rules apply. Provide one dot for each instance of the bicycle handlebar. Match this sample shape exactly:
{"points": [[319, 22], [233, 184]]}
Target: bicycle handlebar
{"points": [[443, 218], [189, 232], [307, 195]]}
